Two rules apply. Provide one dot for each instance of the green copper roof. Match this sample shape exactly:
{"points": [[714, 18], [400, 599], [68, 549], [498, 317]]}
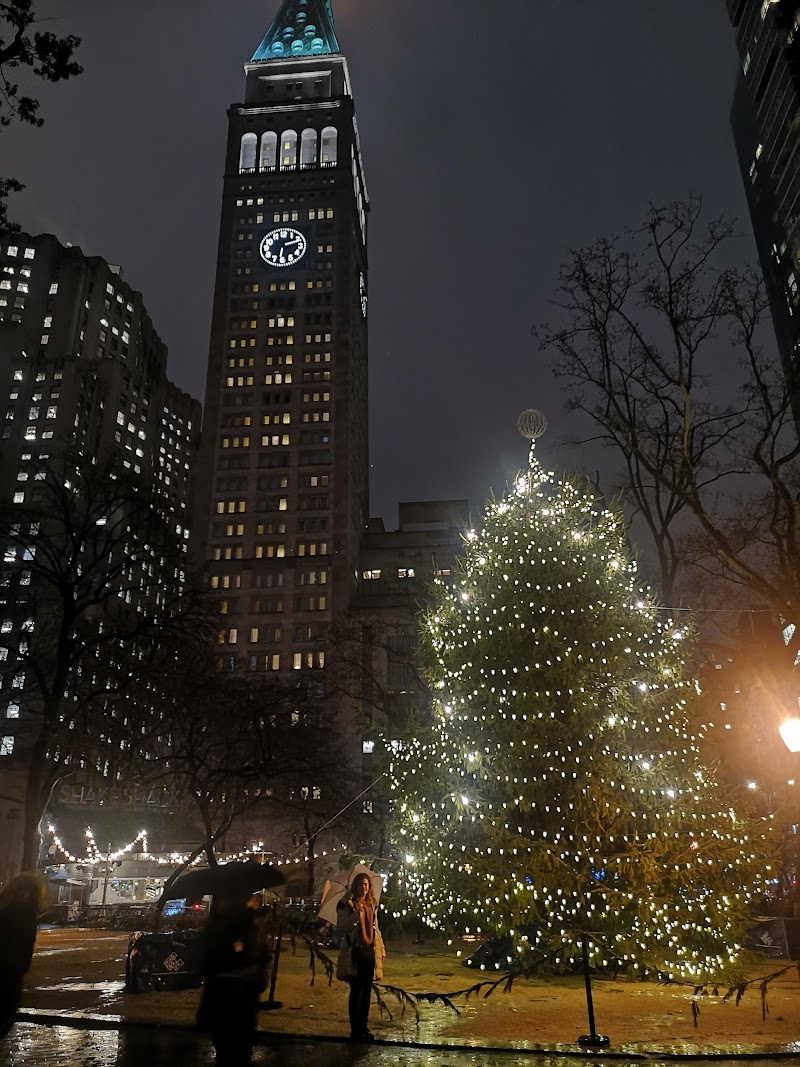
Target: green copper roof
{"points": [[301, 28]]}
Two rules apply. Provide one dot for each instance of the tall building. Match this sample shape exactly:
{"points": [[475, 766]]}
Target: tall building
{"points": [[83, 378], [284, 471], [396, 573], [82, 367], [766, 132]]}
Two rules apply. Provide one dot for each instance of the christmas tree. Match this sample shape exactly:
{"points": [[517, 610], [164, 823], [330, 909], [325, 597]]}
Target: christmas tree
{"points": [[559, 791]]}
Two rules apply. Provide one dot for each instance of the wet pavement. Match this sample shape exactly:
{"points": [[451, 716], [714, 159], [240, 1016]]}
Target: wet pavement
{"points": [[76, 1013], [37, 1045]]}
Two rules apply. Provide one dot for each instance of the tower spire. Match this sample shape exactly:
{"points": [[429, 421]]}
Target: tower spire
{"points": [[301, 28]]}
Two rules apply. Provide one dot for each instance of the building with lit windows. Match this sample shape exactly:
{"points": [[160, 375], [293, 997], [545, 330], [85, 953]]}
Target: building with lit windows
{"points": [[81, 366], [284, 472], [307, 585], [766, 132], [397, 570], [82, 374]]}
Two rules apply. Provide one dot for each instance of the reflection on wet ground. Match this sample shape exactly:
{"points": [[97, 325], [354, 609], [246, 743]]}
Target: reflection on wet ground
{"points": [[58, 951], [32, 1045], [107, 990]]}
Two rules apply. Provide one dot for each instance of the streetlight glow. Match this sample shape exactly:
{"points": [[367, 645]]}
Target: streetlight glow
{"points": [[790, 732]]}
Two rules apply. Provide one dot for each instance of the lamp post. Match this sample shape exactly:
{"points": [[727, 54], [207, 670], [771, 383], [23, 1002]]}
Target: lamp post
{"points": [[790, 733]]}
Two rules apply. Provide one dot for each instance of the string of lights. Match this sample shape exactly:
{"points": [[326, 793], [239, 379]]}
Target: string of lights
{"points": [[94, 855]]}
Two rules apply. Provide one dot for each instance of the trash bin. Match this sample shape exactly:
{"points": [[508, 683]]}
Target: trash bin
{"points": [[164, 961], [775, 937]]}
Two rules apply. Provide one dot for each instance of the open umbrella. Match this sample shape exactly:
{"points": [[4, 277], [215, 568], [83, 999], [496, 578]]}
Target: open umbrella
{"points": [[340, 884], [226, 879]]}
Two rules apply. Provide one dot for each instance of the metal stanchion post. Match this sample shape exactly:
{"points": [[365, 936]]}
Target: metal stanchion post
{"points": [[271, 1003], [592, 1038]]}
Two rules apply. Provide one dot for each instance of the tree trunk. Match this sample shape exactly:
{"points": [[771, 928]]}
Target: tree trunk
{"points": [[310, 841], [37, 794]]}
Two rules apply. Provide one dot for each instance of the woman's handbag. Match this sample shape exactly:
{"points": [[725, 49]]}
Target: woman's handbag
{"points": [[363, 953]]}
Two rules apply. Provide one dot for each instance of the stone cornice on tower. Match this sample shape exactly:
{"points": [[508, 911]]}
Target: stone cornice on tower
{"points": [[301, 28]]}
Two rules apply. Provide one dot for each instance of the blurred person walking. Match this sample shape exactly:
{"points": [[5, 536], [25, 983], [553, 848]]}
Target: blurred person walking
{"points": [[22, 901], [236, 953]]}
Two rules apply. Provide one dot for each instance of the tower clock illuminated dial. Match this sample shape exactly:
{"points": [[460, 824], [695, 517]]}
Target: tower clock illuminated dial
{"points": [[362, 290], [282, 247]]}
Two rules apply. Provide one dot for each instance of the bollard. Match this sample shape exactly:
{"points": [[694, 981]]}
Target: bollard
{"points": [[271, 1003], [592, 1038]]}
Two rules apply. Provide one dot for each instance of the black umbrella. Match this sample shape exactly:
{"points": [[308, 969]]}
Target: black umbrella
{"points": [[226, 879]]}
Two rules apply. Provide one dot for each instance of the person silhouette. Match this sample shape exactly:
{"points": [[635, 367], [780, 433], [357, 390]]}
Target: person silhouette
{"points": [[21, 903], [235, 957]]}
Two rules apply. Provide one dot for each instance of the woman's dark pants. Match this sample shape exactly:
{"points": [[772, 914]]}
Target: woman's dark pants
{"points": [[360, 994]]}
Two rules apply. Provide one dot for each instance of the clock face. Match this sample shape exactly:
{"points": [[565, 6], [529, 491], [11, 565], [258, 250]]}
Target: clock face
{"points": [[282, 247], [362, 289]]}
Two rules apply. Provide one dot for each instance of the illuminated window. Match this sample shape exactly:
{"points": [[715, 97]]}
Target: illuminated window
{"points": [[288, 149], [269, 151], [370, 575], [247, 153], [308, 148], [328, 154]]}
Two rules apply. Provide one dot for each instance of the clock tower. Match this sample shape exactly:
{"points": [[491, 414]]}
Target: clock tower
{"points": [[284, 471]]}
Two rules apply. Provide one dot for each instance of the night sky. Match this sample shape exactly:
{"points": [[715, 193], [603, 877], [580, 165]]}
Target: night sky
{"points": [[496, 135]]}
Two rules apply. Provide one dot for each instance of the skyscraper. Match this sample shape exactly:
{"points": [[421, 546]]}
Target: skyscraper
{"points": [[83, 376], [284, 472], [765, 127], [82, 367]]}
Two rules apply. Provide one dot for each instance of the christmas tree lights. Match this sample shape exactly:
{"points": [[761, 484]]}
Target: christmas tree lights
{"points": [[559, 789]]}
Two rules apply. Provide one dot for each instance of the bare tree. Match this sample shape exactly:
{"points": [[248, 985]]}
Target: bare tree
{"points": [[213, 740], [46, 55], [91, 577], [376, 669], [658, 341], [319, 787]]}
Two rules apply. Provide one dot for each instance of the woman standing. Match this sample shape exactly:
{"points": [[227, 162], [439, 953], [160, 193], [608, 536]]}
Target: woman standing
{"points": [[356, 918], [21, 903]]}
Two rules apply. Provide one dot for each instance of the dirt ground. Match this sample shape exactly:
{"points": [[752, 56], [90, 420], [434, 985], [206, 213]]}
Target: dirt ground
{"points": [[81, 971]]}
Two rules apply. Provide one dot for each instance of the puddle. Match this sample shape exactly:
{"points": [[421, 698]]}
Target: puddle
{"points": [[107, 990], [57, 951]]}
